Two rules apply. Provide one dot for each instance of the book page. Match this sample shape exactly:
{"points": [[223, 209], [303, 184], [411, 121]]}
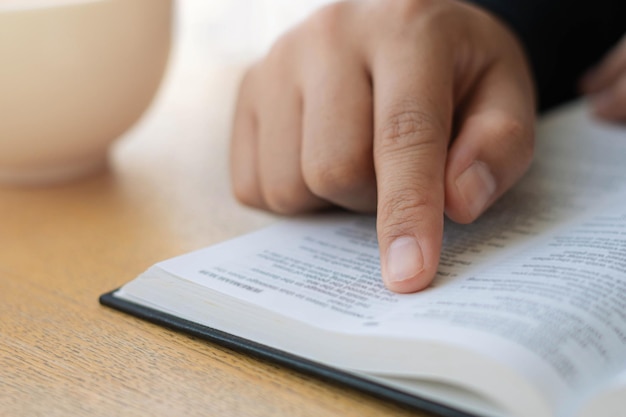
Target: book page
{"points": [[564, 299], [535, 283], [607, 400], [556, 304]]}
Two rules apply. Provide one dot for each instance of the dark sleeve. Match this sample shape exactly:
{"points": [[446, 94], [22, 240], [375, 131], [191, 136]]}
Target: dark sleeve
{"points": [[562, 38]]}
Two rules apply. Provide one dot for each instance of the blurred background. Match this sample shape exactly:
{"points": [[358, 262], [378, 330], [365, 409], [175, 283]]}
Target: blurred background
{"points": [[186, 130], [235, 30]]}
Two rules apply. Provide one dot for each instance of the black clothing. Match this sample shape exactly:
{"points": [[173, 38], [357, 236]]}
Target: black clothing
{"points": [[562, 38]]}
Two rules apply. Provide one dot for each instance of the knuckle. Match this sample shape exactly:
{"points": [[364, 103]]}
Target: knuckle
{"points": [[321, 32], [407, 9], [324, 29], [248, 77], [403, 212], [405, 127], [415, 17], [286, 198], [246, 192], [329, 18], [515, 137], [509, 127], [284, 54], [249, 83], [333, 179], [281, 49]]}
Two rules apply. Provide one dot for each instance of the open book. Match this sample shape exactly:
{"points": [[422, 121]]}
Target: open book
{"points": [[527, 316]]}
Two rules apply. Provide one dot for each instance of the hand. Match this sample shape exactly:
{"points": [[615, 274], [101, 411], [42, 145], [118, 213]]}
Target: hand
{"points": [[407, 107], [606, 84]]}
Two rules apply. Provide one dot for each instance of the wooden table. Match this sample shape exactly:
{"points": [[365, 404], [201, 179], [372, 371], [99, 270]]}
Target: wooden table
{"points": [[166, 192]]}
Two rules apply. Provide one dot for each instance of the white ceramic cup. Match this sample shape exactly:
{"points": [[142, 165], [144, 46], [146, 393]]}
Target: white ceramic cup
{"points": [[74, 76]]}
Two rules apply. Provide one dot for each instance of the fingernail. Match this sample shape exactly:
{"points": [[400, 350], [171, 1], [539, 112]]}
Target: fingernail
{"points": [[476, 185], [404, 259]]}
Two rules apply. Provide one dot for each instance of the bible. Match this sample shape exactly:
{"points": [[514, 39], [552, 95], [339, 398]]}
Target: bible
{"points": [[526, 316]]}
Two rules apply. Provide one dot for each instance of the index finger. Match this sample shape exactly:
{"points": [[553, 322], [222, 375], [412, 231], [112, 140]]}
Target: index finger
{"points": [[413, 104]]}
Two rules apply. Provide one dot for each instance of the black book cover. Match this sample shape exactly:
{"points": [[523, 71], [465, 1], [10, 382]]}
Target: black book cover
{"points": [[282, 358]]}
